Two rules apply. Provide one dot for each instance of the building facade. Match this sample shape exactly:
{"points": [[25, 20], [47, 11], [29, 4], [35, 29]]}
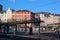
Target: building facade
{"points": [[22, 15], [51, 21], [6, 16]]}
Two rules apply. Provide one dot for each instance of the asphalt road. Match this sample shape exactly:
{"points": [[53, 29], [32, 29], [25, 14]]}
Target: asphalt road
{"points": [[43, 36], [5, 39], [49, 36]]}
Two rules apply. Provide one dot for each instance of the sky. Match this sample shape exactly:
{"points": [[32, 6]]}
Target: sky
{"points": [[52, 6]]}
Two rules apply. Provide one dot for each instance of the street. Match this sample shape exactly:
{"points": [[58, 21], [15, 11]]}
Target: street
{"points": [[43, 36], [50, 36]]}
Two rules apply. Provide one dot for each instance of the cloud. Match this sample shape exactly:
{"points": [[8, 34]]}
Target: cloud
{"points": [[12, 1], [32, 0]]}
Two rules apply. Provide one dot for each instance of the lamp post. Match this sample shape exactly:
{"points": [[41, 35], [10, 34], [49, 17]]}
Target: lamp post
{"points": [[39, 25], [15, 23], [25, 25], [54, 21]]}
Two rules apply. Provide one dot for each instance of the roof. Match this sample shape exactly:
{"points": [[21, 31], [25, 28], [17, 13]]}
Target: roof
{"points": [[57, 15], [23, 11], [3, 11], [46, 13]]}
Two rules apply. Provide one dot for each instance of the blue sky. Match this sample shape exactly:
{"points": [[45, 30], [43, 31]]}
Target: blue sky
{"points": [[52, 6]]}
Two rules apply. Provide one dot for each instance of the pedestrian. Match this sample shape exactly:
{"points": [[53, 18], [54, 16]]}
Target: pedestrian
{"points": [[30, 31]]}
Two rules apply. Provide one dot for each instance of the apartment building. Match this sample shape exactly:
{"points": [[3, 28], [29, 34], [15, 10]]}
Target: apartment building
{"points": [[22, 15], [6, 16], [51, 21]]}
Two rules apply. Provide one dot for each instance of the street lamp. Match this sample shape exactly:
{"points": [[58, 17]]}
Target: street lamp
{"points": [[39, 25], [25, 25]]}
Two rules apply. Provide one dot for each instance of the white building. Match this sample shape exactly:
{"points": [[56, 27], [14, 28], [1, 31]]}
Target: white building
{"points": [[6, 16]]}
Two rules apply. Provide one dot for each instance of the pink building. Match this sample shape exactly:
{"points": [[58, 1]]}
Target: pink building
{"points": [[22, 15]]}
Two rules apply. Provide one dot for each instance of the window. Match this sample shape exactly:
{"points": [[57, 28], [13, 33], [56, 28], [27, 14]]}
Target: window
{"points": [[5, 19], [47, 15], [58, 19]]}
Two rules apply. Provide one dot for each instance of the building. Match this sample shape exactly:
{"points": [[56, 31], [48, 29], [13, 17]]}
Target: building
{"points": [[6, 16], [48, 19], [1, 7], [22, 15], [51, 21], [57, 21]]}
